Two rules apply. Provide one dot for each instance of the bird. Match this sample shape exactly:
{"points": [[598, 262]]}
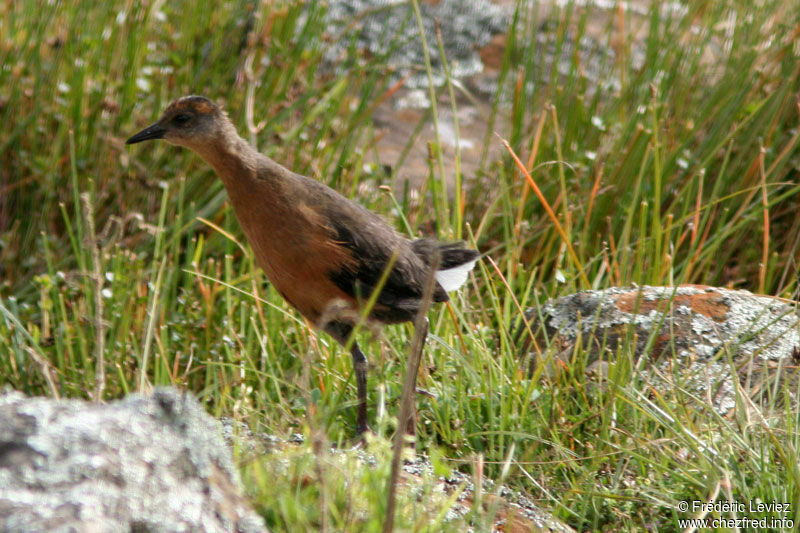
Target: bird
{"points": [[320, 250]]}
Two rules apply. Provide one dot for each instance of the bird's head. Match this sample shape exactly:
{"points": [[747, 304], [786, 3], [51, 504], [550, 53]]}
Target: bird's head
{"points": [[190, 121]]}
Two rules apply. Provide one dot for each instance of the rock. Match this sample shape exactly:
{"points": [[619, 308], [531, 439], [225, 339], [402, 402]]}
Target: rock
{"points": [[465, 26], [146, 464], [696, 333]]}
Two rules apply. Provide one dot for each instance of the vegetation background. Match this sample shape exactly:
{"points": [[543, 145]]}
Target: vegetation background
{"points": [[684, 170]]}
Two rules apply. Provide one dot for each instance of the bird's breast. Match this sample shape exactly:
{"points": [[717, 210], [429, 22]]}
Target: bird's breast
{"points": [[297, 253]]}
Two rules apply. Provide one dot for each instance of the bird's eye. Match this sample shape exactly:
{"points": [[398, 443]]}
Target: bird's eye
{"points": [[181, 119]]}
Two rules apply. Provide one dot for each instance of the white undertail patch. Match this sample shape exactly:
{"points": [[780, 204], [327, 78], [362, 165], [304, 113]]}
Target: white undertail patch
{"points": [[453, 278]]}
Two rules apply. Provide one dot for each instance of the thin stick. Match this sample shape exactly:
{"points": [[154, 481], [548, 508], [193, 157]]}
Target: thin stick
{"points": [[762, 271], [47, 371], [97, 277], [409, 391], [151, 325]]}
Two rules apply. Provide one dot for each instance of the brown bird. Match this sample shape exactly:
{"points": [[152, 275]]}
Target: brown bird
{"points": [[317, 248]]}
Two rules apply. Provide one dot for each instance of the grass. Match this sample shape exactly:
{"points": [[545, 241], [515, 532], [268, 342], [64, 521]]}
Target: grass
{"points": [[680, 166]]}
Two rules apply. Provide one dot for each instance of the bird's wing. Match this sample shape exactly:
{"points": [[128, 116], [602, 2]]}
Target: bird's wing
{"points": [[375, 247]]}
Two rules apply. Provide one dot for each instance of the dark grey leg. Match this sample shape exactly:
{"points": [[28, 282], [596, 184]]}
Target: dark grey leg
{"points": [[360, 368], [341, 331]]}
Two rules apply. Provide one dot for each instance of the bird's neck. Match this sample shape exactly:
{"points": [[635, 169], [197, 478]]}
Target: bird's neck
{"points": [[254, 182], [233, 158]]}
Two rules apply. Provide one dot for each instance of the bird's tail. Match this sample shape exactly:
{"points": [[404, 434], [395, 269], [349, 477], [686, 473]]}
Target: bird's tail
{"points": [[455, 261]]}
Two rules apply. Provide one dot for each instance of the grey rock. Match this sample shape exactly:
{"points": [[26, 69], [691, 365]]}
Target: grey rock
{"points": [[722, 345], [390, 27], [146, 464]]}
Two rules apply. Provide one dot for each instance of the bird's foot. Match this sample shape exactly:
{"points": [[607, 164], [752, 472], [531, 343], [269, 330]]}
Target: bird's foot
{"points": [[363, 434]]}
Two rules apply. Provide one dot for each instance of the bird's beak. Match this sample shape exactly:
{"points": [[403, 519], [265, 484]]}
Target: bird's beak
{"points": [[156, 131]]}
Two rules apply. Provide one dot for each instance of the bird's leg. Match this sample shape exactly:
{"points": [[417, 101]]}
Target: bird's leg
{"points": [[360, 369]]}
